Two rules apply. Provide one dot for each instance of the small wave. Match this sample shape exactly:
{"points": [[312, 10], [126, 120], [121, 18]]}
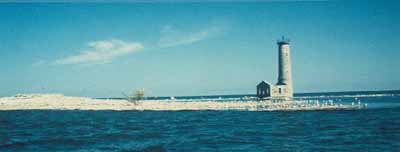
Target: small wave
{"points": [[347, 96], [19, 144], [155, 148]]}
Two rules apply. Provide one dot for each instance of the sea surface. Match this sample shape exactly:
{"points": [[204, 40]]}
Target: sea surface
{"points": [[376, 128]]}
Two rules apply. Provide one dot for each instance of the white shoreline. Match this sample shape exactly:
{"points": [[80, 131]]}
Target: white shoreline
{"points": [[60, 102]]}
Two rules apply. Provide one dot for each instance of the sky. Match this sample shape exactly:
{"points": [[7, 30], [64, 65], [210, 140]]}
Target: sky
{"points": [[210, 48]]}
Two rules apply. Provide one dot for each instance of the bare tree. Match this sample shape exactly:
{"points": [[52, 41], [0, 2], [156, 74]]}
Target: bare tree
{"points": [[136, 96], [139, 94]]}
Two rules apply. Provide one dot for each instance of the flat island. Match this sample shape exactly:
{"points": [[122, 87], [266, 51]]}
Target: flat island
{"points": [[61, 102]]}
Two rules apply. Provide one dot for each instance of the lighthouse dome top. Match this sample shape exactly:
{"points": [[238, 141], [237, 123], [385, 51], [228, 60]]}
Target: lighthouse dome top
{"points": [[283, 40]]}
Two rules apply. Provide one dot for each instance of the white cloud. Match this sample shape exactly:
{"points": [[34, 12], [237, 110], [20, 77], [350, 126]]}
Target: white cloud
{"points": [[102, 52], [171, 37]]}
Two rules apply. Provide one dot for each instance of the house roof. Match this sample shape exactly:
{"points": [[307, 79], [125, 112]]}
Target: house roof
{"points": [[264, 82]]}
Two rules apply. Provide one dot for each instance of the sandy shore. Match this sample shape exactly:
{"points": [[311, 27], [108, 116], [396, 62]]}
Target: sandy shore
{"points": [[60, 102]]}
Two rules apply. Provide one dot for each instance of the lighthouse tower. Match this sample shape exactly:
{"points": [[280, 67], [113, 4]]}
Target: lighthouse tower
{"points": [[284, 85], [284, 88]]}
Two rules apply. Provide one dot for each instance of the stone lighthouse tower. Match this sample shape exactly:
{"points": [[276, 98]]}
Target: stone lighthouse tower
{"points": [[284, 85], [284, 88]]}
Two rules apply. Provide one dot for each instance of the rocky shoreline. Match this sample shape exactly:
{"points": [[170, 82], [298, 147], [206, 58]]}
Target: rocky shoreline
{"points": [[61, 102]]}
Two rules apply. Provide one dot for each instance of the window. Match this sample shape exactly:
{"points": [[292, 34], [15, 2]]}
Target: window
{"points": [[280, 90]]}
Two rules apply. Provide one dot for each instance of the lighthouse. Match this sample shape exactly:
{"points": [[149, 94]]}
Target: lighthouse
{"points": [[284, 84], [284, 87]]}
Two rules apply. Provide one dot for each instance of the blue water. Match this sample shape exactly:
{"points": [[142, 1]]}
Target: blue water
{"points": [[374, 129]]}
